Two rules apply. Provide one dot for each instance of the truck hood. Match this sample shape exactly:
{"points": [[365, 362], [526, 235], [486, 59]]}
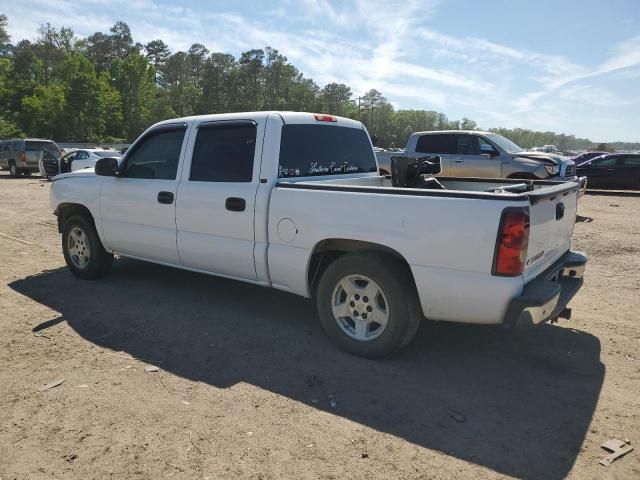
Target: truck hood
{"points": [[548, 158], [89, 171]]}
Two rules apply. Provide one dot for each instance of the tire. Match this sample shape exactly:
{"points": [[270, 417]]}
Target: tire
{"points": [[82, 249], [13, 169], [26, 173], [392, 317]]}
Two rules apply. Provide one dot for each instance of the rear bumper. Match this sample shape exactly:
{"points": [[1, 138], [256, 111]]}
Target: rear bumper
{"points": [[546, 297]]}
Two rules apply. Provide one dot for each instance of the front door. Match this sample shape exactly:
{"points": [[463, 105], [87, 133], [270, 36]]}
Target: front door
{"points": [[216, 199], [138, 206], [468, 159]]}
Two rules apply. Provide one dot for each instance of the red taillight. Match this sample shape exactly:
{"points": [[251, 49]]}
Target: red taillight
{"points": [[512, 243], [324, 118], [23, 157]]}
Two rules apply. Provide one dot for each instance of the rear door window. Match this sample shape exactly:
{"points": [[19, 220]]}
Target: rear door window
{"points": [[631, 162], [224, 152], [439, 143], [312, 150]]}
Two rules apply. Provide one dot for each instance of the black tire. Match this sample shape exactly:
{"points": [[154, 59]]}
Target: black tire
{"points": [[13, 169], [404, 313], [26, 173], [98, 262]]}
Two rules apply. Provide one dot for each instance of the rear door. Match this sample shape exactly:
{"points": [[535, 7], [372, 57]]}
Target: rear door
{"points": [[441, 144], [627, 172], [216, 198]]}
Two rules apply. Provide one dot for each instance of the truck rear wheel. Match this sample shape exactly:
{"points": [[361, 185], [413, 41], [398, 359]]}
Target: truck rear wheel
{"points": [[368, 305], [83, 252], [13, 169]]}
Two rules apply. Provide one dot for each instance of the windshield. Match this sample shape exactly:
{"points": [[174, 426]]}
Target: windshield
{"points": [[108, 154], [504, 143]]}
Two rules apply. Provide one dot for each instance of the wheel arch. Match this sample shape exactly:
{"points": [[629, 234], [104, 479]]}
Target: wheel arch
{"points": [[523, 176], [65, 210], [328, 250]]}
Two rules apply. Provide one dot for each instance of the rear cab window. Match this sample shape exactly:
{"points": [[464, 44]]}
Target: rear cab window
{"points": [[315, 150], [438, 143]]}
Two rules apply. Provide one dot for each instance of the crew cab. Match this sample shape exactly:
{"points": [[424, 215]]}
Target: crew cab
{"points": [[294, 201], [485, 154]]}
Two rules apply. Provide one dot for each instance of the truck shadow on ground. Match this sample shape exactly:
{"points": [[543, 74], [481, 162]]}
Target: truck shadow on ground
{"points": [[519, 404]]}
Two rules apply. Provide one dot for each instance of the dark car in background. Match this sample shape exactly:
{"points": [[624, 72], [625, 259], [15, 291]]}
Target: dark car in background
{"points": [[616, 170], [586, 156]]}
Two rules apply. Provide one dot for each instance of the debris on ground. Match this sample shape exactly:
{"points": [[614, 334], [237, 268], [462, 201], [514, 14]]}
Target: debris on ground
{"points": [[84, 385], [617, 448], [53, 384], [457, 416], [151, 368], [70, 458], [36, 334], [193, 443], [365, 455]]}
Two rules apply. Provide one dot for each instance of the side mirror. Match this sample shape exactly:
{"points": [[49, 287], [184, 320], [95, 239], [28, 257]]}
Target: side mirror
{"points": [[107, 167], [488, 150]]}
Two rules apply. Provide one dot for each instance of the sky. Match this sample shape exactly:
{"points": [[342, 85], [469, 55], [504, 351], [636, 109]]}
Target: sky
{"points": [[569, 66]]}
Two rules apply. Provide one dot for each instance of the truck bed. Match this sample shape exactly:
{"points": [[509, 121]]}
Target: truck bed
{"points": [[460, 187]]}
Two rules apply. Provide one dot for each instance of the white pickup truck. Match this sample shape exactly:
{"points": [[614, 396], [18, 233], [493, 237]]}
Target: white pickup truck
{"points": [[294, 201]]}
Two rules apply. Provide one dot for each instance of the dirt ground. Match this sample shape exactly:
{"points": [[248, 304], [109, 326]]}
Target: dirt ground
{"points": [[249, 387]]}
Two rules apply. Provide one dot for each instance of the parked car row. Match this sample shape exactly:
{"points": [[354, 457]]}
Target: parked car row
{"points": [[36, 155], [26, 155]]}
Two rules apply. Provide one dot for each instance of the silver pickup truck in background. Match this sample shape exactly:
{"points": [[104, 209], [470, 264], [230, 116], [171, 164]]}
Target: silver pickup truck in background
{"points": [[483, 154]]}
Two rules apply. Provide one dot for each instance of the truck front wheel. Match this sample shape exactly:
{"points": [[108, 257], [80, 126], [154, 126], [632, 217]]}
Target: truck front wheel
{"points": [[368, 305], [83, 252]]}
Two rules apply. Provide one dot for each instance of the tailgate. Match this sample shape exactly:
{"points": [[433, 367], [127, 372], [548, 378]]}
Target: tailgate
{"points": [[552, 216]]}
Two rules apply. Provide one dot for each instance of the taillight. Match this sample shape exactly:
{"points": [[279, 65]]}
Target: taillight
{"points": [[324, 118], [23, 157], [512, 243]]}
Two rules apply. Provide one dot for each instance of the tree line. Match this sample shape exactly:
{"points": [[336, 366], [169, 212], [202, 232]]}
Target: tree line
{"points": [[108, 88]]}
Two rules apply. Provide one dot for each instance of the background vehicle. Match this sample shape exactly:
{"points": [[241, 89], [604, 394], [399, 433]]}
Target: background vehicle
{"points": [[28, 155], [616, 170], [485, 154], [85, 158], [294, 201], [586, 156]]}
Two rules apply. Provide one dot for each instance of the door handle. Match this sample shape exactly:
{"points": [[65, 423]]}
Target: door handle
{"points": [[165, 197], [235, 204]]}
